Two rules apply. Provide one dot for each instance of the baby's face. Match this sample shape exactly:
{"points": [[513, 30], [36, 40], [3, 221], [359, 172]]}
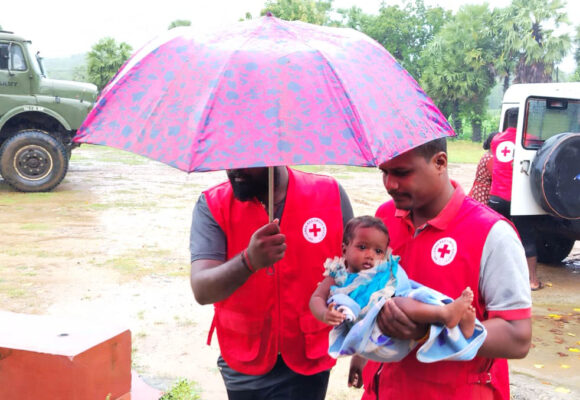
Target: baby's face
{"points": [[366, 249]]}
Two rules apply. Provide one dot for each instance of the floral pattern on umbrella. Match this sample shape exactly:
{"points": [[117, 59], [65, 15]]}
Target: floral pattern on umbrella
{"points": [[263, 93]]}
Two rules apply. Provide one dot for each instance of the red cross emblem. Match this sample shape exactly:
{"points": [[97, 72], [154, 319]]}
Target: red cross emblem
{"points": [[444, 251], [506, 151], [314, 230]]}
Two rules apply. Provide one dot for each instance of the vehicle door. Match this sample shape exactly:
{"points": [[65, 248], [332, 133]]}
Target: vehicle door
{"points": [[15, 85], [543, 118]]}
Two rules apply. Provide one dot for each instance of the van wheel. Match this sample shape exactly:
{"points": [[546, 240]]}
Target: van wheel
{"points": [[555, 176], [552, 250], [33, 161]]}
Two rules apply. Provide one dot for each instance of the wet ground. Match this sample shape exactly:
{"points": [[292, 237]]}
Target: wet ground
{"points": [[111, 243]]}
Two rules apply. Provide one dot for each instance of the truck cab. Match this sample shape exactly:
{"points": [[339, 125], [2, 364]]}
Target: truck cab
{"points": [[38, 117], [546, 163]]}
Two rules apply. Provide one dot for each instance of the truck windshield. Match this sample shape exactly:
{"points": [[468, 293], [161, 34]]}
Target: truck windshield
{"points": [[36, 60], [548, 117]]}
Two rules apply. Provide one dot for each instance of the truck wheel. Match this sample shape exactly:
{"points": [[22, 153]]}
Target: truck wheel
{"points": [[552, 250], [555, 176], [33, 161]]}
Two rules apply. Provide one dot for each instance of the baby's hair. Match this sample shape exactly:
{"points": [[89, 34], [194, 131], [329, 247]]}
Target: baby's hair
{"points": [[365, 221]]}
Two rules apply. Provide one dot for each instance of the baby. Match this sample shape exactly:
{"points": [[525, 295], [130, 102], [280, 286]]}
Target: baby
{"points": [[365, 277]]}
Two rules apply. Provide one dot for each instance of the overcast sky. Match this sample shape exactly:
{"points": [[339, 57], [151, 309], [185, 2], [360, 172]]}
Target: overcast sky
{"points": [[64, 27]]}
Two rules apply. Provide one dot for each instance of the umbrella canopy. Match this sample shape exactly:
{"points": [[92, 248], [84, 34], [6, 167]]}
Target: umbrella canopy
{"points": [[263, 93]]}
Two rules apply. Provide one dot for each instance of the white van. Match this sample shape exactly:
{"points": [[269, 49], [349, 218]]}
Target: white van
{"points": [[546, 175]]}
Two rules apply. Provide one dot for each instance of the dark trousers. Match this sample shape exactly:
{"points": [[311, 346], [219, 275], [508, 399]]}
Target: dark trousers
{"points": [[500, 205], [301, 387], [523, 223]]}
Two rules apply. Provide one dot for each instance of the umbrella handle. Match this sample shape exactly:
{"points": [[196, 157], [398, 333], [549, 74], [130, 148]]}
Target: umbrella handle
{"points": [[271, 193], [270, 270]]}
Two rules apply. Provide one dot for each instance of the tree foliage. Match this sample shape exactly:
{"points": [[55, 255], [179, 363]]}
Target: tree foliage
{"points": [[531, 47], [179, 22], [311, 11], [458, 73], [576, 76], [404, 32], [105, 59]]}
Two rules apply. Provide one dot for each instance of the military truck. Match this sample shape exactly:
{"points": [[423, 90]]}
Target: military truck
{"points": [[546, 162], [38, 117]]}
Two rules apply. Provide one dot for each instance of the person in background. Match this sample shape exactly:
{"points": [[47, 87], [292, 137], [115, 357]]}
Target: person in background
{"points": [[260, 275], [482, 183], [450, 241], [502, 149]]}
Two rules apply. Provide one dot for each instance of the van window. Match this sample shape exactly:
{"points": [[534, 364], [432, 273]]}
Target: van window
{"points": [[548, 117]]}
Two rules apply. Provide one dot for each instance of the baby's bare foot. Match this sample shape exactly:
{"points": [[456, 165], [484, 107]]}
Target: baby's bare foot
{"points": [[467, 323], [453, 312]]}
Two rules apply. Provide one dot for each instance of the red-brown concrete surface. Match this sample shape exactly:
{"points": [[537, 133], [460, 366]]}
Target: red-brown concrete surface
{"points": [[45, 357]]}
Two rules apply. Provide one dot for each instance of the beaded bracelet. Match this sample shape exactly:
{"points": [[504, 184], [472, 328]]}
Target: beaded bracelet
{"points": [[246, 261]]}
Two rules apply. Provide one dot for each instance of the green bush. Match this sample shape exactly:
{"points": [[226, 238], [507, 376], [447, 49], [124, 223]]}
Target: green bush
{"points": [[489, 124], [183, 389]]}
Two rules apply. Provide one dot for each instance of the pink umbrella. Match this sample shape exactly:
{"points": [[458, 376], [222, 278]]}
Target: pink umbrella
{"points": [[263, 93]]}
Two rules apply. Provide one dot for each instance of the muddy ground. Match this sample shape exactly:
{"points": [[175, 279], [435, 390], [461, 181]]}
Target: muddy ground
{"points": [[111, 244]]}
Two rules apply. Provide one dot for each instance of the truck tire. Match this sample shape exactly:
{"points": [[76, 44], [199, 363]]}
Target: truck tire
{"points": [[555, 176], [33, 161], [553, 249]]}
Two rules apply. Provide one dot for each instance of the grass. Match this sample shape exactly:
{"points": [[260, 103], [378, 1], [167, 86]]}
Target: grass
{"points": [[123, 204], [143, 261], [35, 227], [108, 154], [459, 151], [464, 151], [182, 389]]}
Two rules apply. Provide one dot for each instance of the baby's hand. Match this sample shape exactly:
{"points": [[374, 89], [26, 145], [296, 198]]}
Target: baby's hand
{"points": [[332, 316]]}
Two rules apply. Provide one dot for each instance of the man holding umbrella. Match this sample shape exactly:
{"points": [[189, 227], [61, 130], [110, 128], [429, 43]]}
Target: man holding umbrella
{"points": [[260, 275], [448, 241]]}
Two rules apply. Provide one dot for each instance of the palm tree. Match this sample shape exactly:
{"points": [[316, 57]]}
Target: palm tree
{"points": [[104, 60], [179, 22], [531, 46], [459, 71]]}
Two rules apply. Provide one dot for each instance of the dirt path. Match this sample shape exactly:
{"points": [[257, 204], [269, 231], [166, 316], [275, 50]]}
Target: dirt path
{"points": [[111, 243]]}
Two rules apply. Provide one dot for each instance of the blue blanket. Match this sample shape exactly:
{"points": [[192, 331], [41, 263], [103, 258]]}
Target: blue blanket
{"points": [[362, 336]]}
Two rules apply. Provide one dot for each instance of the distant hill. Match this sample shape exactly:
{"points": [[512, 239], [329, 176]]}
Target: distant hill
{"points": [[72, 68]]}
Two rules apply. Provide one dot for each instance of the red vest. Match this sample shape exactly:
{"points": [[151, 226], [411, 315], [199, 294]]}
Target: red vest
{"points": [[269, 313], [446, 260], [502, 148]]}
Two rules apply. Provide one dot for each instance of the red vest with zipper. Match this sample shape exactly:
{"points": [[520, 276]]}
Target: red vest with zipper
{"points": [[411, 379], [501, 177], [269, 313]]}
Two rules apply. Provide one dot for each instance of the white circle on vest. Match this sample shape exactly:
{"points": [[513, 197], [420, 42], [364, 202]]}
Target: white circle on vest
{"points": [[505, 151], [444, 251], [314, 230]]}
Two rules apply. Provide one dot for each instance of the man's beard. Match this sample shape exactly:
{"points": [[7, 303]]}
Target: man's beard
{"points": [[252, 186]]}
